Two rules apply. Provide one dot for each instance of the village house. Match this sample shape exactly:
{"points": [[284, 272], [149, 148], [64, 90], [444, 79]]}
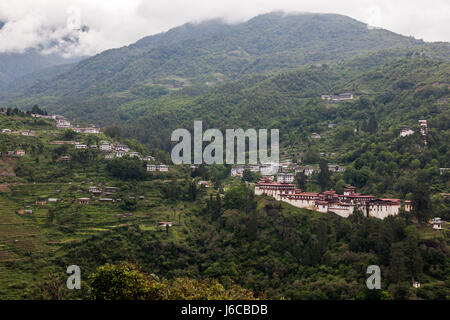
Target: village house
{"points": [[109, 156], [20, 153], [106, 200], [120, 153], [81, 146], [63, 124], [162, 167], [52, 200], [150, 158], [65, 158], [443, 170], [36, 115], [331, 125], [335, 168], [315, 135], [92, 129], [204, 183], [423, 127], [6, 130], [111, 189], [337, 98], [135, 154], [285, 178], [105, 146], [151, 167], [121, 147], [237, 171], [93, 189], [408, 205], [83, 200], [41, 202], [437, 223], [26, 133], [164, 224], [269, 169], [406, 132], [307, 170]]}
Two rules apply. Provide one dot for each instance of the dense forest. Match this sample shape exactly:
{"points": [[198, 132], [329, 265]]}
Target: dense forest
{"points": [[296, 254]]}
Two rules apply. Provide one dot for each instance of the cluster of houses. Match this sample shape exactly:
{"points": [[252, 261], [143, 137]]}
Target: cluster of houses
{"points": [[423, 130], [285, 171], [346, 96], [63, 123], [330, 201]]}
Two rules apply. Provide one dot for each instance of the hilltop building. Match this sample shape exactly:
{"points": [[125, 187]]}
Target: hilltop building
{"points": [[330, 201]]}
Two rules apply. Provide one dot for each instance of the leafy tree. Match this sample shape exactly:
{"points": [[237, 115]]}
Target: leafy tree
{"points": [[323, 178], [123, 282], [421, 201], [301, 179]]}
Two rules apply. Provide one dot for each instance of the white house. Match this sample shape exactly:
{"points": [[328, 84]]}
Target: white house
{"points": [[63, 124], [135, 154], [120, 153], [81, 146], [285, 178], [149, 158], [237, 171], [437, 223], [162, 167], [406, 132], [105, 147]]}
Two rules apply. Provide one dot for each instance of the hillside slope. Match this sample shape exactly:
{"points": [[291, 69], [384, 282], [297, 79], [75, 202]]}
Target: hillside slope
{"points": [[211, 53]]}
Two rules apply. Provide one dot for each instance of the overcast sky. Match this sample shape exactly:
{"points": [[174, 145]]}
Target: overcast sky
{"points": [[54, 25]]}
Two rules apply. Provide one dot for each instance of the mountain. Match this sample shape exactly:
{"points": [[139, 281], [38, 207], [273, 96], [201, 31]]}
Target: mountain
{"points": [[199, 56], [383, 84], [16, 65]]}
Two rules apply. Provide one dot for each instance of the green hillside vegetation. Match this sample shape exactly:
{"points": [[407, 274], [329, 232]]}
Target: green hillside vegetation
{"points": [[295, 253]]}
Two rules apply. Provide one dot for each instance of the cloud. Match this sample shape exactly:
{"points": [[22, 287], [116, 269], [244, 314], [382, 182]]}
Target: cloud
{"points": [[57, 25]]}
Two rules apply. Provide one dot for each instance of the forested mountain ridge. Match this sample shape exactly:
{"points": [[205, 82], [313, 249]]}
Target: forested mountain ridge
{"points": [[210, 53], [291, 101]]}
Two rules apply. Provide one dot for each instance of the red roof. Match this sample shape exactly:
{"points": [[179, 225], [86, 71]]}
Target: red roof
{"points": [[306, 194]]}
